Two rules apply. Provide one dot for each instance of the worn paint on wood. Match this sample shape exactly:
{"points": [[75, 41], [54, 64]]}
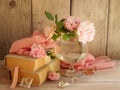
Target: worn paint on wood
{"points": [[113, 48], [15, 23]]}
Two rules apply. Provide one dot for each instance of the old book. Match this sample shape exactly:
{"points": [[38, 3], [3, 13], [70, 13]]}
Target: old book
{"points": [[26, 64], [36, 69], [40, 75]]}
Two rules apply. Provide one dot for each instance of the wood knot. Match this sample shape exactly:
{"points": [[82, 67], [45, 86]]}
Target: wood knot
{"points": [[12, 3]]}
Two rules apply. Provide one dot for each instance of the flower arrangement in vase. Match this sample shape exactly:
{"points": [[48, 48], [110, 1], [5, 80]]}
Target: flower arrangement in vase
{"points": [[72, 36], [71, 32]]}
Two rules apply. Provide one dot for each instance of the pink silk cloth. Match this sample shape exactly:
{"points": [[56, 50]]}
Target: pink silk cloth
{"points": [[90, 62], [23, 46]]}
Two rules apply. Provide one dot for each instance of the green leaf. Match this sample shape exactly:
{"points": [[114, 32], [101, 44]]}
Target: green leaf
{"points": [[62, 20], [52, 57], [63, 30], [49, 15], [56, 19], [71, 34], [66, 37], [55, 36], [49, 53], [60, 23]]}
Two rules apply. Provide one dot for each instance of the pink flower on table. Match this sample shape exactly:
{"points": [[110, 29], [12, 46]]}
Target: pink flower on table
{"points": [[86, 31], [37, 51], [71, 23], [54, 76]]}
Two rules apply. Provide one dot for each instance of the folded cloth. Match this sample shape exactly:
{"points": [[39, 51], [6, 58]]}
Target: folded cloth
{"points": [[23, 46], [90, 62]]}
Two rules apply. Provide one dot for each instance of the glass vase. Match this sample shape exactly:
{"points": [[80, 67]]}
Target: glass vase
{"points": [[72, 52]]}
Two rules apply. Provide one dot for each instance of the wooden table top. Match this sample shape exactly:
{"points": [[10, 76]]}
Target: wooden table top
{"points": [[101, 80]]}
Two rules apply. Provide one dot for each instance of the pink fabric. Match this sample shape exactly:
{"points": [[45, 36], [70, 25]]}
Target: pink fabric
{"points": [[15, 78], [101, 62], [23, 46]]}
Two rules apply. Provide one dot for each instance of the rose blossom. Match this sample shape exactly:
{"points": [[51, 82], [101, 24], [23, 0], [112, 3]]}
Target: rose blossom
{"points": [[54, 76], [71, 23], [86, 31], [37, 51]]}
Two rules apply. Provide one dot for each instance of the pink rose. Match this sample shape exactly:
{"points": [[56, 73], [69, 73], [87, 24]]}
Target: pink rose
{"points": [[37, 51], [54, 76], [71, 23], [86, 31]]}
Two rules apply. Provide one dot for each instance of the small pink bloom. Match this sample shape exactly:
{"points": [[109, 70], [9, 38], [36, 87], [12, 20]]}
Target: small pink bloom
{"points": [[37, 51], [71, 23], [54, 76], [86, 31]]}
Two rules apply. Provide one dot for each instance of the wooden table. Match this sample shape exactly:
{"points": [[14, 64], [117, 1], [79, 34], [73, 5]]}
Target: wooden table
{"points": [[108, 79]]}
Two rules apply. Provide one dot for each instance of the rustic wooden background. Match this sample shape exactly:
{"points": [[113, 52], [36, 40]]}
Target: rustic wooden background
{"points": [[20, 19]]}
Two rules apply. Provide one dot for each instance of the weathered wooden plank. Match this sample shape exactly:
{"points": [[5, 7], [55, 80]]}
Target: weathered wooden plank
{"points": [[73, 86], [99, 81], [97, 12], [15, 23], [60, 7], [113, 48]]}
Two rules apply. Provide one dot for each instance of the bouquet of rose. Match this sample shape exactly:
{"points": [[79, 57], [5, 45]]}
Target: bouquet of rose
{"points": [[70, 27]]}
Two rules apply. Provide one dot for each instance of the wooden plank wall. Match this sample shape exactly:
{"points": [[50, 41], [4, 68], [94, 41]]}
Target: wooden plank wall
{"points": [[15, 23], [97, 12], [113, 48], [60, 7], [19, 21]]}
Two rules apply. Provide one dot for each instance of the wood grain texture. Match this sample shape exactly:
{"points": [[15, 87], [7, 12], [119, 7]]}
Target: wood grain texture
{"points": [[60, 7], [97, 12], [101, 80], [113, 48], [15, 23]]}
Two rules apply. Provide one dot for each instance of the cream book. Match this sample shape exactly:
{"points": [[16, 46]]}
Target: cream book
{"points": [[26, 64], [36, 69]]}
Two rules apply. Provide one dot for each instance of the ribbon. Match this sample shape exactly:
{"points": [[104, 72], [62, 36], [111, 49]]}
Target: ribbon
{"points": [[15, 77]]}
